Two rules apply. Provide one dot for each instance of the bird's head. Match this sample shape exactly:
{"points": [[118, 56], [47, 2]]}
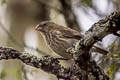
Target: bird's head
{"points": [[45, 26]]}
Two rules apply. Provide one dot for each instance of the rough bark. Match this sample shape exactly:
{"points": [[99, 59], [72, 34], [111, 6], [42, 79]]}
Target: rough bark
{"points": [[84, 68], [51, 65]]}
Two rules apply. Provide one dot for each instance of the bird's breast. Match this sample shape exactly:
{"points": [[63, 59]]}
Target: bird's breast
{"points": [[60, 45]]}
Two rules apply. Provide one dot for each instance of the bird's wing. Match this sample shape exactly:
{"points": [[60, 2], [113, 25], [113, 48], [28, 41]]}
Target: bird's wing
{"points": [[71, 33]]}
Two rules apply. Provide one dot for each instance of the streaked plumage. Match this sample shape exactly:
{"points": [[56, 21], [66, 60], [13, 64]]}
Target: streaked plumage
{"points": [[60, 38]]}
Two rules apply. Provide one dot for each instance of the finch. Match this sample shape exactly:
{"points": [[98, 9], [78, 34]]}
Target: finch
{"points": [[60, 38]]}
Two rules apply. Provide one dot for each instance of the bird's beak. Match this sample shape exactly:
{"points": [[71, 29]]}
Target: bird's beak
{"points": [[38, 27]]}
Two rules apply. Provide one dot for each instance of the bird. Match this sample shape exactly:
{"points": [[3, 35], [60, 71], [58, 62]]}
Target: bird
{"points": [[60, 38]]}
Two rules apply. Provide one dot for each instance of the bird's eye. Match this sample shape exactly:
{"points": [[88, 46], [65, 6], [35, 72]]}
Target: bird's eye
{"points": [[44, 24]]}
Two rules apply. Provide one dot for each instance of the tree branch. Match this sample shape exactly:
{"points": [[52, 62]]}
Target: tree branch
{"points": [[106, 26], [86, 69], [51, 65]]}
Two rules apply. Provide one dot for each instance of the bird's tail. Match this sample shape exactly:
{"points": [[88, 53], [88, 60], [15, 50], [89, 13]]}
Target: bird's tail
{"points": [[99, 50]]}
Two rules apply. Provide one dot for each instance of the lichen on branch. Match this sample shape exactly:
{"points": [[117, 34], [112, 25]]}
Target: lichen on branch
{"points": [[104, 27], [85, 68]]}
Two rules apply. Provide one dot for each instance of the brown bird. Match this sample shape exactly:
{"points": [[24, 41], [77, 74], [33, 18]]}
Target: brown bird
{"points": [[60, 38]]}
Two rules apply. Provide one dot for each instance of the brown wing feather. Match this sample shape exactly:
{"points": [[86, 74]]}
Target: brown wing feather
{"points": [[71, 33]]}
